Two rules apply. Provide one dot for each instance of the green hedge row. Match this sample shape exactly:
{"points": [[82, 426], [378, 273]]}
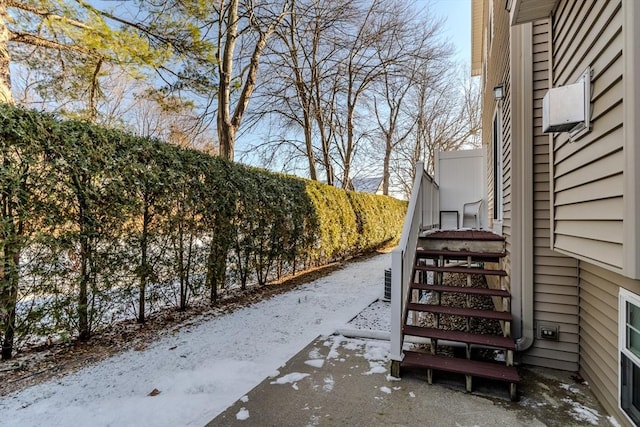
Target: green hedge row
{"points": [[98, 224]]}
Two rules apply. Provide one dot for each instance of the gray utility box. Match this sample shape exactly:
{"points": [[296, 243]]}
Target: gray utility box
{"points": [[567, 108], [387, 284]]}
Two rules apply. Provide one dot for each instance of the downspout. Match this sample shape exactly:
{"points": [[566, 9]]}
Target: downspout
{"points": [[522, 242]]}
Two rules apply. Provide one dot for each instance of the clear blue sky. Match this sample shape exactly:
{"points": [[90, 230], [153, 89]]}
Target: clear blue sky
{"points": [[457, 27]]}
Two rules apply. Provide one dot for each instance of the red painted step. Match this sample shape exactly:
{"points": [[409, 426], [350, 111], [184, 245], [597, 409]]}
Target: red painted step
{"points": [[463, 270], [459, 255], [459, 311], [461, 290], [475, 368], [459, 336]]}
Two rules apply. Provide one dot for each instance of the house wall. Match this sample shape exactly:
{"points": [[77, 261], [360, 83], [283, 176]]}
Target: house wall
{"points": [[496, 71], [588, 201], [554, 275], [586, 191], [594, 186], [599, 289]]}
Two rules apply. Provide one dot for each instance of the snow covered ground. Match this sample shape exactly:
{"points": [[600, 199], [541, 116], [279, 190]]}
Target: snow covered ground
{"points": [[190, 377]]}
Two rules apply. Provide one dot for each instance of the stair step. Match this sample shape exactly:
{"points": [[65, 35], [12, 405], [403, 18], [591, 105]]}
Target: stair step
{"points": [[475, 368], [459, 255], [477, 235], [459, 336], [459, 311], [461, 290], [463, 270]]}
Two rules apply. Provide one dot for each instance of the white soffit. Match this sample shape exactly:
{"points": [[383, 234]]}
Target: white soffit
{"points": [[477, 17], [523, 11]]}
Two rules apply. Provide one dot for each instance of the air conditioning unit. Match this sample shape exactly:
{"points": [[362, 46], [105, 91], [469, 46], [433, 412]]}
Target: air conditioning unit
{"points": [[387, 284]]}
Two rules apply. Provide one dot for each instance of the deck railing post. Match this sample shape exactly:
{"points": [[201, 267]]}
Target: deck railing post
{"points": [[397, 303], [420, 215]]}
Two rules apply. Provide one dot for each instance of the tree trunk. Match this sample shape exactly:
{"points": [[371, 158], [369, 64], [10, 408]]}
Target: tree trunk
{"points": [[9, 284], [80, 184], [303, 96], [226, 135], [144, 262], [12, 260], [308, 139], [6, 97], [386, 165], [84, 332], [93, 92]]}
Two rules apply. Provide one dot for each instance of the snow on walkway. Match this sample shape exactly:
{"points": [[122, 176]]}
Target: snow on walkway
{"points": [[203, 369]]}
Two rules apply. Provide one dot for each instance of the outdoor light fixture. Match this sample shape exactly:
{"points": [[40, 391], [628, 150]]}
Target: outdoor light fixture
{"points": [[507, 5], [498, 93]]}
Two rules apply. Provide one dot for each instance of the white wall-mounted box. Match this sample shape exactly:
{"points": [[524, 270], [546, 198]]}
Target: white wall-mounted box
{"points": [[567, 108]]}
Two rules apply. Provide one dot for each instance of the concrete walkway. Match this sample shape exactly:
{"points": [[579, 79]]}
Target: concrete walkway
{"points": [[336, 381]]}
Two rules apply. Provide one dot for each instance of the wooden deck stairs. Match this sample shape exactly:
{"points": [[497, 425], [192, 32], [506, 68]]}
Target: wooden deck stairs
{"points": [[442, 255]]}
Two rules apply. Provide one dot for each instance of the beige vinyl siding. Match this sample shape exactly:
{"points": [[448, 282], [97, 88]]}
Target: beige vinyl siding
{"points": [[554, 275], [497, 73], [599, 332], [588, 203]]}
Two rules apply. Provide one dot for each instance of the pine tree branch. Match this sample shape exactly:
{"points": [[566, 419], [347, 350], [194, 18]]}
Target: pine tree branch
{"points": [[30, 39], [48, 15]]}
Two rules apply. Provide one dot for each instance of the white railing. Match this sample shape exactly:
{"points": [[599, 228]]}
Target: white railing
{"points": [[422, 214]]}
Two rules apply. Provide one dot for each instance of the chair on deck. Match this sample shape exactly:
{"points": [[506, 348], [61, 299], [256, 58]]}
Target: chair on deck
{"points": [[471, 214]]}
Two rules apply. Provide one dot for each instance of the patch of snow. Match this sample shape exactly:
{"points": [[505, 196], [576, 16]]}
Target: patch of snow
{"points": [[391, 378], [328, 383], [581, 413], [314, 421], [376, 317], [290, 378], [376, 369], [315, 363], [334, 345], [244, 399], [376, 350], [385, 390], [613, 421], [228, 355], [315, 354], [568, 387], [242, 414], [525, 401], [412, 394], [353, 344]]}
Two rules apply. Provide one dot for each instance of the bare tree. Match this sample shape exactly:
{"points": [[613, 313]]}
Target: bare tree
{"points": [[258, 26], [447, 116], [297, 88], [334, 51], [425, 59]]}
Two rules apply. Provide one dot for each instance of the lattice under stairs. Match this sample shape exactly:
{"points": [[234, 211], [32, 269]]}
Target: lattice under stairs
{"points": [[441, 307]]}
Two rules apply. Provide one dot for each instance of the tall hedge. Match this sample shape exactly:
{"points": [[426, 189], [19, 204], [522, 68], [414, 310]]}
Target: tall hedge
{"points": [[98, 224]]}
